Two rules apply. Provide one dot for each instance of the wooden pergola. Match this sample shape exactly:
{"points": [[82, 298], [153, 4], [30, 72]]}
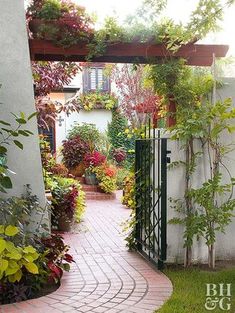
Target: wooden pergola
{"points": [[194, 54]]}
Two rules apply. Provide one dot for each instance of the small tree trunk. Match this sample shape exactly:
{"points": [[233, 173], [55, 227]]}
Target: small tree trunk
{"points": [[188, 157], [188, 257], [211, 256]]}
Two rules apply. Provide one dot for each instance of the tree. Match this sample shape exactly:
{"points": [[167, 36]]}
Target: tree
{"points": [[48, 77], [136, 100]]}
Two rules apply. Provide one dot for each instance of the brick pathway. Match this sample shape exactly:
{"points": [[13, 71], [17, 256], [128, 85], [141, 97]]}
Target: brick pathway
{"points": [[106, 277]]}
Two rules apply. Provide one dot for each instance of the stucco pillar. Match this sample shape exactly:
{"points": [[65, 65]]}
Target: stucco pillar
{"points": [[16, 94]]}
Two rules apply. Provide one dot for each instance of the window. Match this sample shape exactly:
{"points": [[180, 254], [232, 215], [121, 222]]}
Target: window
{"points": [[94, 79]]}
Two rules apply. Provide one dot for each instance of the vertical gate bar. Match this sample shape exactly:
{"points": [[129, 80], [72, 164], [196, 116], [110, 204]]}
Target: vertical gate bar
{"points": [[149, 188], [141, 193], [154, 187], [163, 201], [137, 193], [144, 188], [158, 193]]}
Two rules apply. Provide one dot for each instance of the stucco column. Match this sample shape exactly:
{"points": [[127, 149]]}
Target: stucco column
{"points": [[16, 94]]}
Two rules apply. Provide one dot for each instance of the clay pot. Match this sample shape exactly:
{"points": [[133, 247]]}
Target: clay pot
{"points": [[78, 170], [64, 224]]}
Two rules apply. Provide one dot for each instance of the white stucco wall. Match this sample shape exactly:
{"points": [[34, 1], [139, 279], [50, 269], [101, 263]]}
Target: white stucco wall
{"points": [[99, 117], [16, 95], [225, 244]]}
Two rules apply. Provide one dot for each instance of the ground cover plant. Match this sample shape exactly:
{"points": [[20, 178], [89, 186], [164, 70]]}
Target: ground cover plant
{"points": [[189, 289]]}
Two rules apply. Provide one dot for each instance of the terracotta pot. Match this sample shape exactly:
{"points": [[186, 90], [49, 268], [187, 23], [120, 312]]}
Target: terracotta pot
{"points": [[64, 224], [78, 170], [90, 179]]}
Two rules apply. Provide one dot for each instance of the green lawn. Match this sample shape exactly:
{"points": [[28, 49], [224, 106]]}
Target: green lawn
{"points": [[190, 290]]}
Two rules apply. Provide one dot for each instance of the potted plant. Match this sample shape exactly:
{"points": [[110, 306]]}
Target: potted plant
{"points": [[64, 199], [87, 132], [73, 151], [91, 161], [61, 21], [107, 177]]}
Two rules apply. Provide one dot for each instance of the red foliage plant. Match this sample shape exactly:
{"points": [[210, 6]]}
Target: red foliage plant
{"points": [[73, 151], [57, 257], [119, 155], [94, 159]]}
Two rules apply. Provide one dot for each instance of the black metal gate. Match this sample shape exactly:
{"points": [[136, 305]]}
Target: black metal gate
{"points": [[151, 198]]}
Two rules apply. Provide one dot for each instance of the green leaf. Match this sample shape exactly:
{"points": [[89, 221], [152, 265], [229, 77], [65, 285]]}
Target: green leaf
{"points": [[32, 268], [21, 121], [32, 115], [29, 249], [5, 123], [2, 245], [12, 270], [6, 182], [11, 230], [2, 228], [23, 133], [28, 131], [18, 144], [3, 265], [18, 275], [3, 150]]}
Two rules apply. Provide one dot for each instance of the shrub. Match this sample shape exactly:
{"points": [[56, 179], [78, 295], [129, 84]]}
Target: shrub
{"points": [[106, 176], [119, 155], [17, 211], [122, 173], [116, 129], [87, 132], [73, 151], [63, 22], [57, 257], [22, 268], [66, 201], [94, 159], [129, 191]]}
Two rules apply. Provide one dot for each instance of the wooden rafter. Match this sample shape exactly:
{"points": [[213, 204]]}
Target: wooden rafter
{"points": [[195, 54]]}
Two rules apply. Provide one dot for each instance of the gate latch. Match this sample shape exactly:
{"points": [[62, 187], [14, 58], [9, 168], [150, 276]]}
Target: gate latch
{"points": [[168, 159]]}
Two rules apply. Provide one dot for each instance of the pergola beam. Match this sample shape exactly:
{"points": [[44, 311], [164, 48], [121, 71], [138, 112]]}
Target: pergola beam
{"points": [[195, 54]]}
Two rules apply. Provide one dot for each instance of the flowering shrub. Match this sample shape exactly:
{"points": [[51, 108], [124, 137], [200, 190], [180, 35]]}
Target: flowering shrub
{"points": [[73, 151], [94, 159], [106, 176], [119, 155]]}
